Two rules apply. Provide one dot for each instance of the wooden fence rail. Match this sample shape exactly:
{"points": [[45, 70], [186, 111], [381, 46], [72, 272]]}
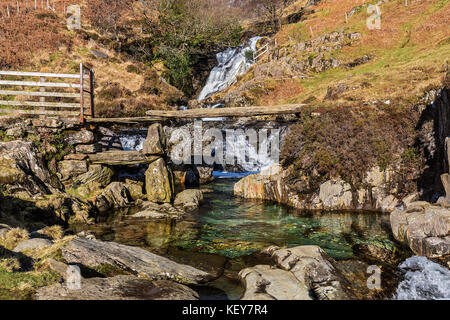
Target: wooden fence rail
{"points": [[83, 86]]}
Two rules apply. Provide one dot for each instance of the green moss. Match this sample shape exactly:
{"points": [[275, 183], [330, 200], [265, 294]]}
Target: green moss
{"points": [[22, 285]]}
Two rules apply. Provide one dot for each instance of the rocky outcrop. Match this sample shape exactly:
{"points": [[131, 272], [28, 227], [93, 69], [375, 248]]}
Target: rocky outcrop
{"points": [[159, 182], [118, 288], [424, 227], [93, 253], [300, 273], [275, 184], [22, 170], [189, 199]]}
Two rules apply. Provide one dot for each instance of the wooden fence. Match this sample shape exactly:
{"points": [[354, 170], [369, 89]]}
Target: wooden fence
{"points": [[67, 100]]}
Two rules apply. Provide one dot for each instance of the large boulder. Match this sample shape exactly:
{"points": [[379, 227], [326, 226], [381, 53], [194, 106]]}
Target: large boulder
{"points": [[159, 182], [155, 143], [303, 273], [118, 288], [189, 199], [93, 253], [425, 228]]}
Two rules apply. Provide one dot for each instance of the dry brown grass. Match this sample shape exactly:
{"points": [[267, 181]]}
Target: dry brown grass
{"points": [[13, 237], [54, 232]]}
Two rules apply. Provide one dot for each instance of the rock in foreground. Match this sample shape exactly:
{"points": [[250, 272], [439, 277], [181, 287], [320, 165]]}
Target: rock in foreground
{"points": [[118, 288], [93, 253], [300, 273]]}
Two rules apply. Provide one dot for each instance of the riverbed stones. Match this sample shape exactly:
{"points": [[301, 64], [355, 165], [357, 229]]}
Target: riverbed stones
{"points": [[425, 228], [189, 199], [136, 189], [119, 288], [94, 253], [155, 143], [159, 182], [155, 211], [302, 273]]}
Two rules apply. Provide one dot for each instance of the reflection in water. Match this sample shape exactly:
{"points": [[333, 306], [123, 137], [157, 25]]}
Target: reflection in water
{"points": [[233, 227]]}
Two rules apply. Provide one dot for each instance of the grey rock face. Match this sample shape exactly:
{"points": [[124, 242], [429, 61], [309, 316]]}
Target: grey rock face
{"points": [[94, 253], [118, 288], [96, 173], [425, 228]]}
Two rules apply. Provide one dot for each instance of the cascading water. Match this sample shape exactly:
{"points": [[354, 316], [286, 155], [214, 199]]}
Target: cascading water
{"points": [[424, 280], [232, 62], [132, 141]]}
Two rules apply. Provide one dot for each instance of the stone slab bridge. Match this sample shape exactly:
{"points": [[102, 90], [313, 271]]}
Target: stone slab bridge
{"points": [[159, 116], [210, 113]]}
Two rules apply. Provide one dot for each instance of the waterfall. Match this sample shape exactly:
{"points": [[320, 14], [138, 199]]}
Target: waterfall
{"points": [[132, 141], [424, 280], [231, 63]]}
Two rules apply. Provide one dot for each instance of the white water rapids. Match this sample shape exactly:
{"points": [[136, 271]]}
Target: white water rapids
{"points": [[423, 280], [231, 63]]}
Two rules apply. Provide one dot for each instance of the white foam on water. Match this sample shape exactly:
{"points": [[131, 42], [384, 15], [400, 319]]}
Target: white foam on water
{"points": [[424, 280], [132, 142]]}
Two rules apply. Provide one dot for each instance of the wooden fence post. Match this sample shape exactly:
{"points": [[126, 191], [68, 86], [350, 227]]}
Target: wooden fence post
{"points": [[42, 99], [81, 93], [91, 85]]}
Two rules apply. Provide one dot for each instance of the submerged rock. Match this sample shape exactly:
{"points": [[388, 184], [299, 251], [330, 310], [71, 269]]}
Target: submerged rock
{"points": [[118, 288], [93, 253], [189, 199], [302, 273], [154, 211]]}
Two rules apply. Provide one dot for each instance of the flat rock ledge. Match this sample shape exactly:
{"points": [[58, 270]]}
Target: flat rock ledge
{"points": [[94, 253], [118, 288], [300, 273], [424, 227]]}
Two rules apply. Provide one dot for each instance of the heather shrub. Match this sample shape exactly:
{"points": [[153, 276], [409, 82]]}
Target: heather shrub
{"points": [[348, 142]]}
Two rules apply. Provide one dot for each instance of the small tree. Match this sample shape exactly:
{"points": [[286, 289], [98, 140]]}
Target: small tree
{"points": [[107, 15], [274, 11]]}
